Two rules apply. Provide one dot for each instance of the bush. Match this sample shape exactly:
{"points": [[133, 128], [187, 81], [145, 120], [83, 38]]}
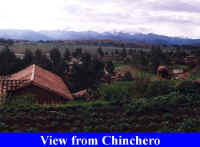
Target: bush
{"points": [[189, 125], [116, 92], [139, 88], [3, 126], [189, 87], [167, 103], [22, 100], [158, 88], [127, 77]]}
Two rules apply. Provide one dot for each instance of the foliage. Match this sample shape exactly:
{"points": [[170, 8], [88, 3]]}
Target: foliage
{"points": [[55, 56], [25, 100], [58, 65], [189, 87], [9, 62], [169, 113], [87, 74], [116, 92], [157, 58], [189, 125], [67, 54], [157, 88], [28, 58], [127, 77], [110, 67], [77, 53], [195, 75], [124, 52], [100, 51]]}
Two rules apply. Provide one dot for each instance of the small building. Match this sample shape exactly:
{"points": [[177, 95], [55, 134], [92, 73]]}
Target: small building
{"points": [[177, 71], [46, 87], [83, 94], [163, 72]]}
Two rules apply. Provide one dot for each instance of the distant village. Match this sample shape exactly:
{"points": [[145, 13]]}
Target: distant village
{"points": [[79, 73]]}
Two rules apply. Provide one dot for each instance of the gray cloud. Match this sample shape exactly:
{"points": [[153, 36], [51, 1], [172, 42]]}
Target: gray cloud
{"points": [[177, 6], [168, 17]]}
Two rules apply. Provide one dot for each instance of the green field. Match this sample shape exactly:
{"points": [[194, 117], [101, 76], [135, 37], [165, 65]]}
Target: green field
{"points": [[19, 47], [163, 108]]}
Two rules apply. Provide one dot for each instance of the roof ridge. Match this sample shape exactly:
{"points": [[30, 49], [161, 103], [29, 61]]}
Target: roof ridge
{"points": [[33, 73]]}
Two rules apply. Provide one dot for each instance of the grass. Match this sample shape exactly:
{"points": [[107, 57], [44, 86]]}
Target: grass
{"points": [[137, 73], [46, 47], [117, 64], [79, 103], [184, 67], [196, 75]]}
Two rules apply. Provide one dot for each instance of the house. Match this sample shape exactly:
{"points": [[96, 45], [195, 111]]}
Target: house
{"points": [[163, 72], [46, 87], [83, 94], [178, 71]]}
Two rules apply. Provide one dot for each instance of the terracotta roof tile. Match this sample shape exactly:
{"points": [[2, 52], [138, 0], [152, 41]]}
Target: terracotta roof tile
{"points": [[80, 93], [44, 79]]}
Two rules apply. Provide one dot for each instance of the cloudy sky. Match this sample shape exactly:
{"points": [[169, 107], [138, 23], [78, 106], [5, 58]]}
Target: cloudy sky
{"points": [[167, 17]]}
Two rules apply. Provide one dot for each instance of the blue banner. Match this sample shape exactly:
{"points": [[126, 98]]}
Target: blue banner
{"points": [[99, 139]]}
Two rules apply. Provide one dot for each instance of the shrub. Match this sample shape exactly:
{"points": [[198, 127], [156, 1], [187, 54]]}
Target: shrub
{"points": [[116, 92], [189, 87], [3, 126], [189, 125], [127, 77], [139, 87], [158, 88], [22, 100]]}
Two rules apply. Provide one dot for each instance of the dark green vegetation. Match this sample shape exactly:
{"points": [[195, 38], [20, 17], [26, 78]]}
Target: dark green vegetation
{"points": [[147, 104], [174, 110], [195, 75]]}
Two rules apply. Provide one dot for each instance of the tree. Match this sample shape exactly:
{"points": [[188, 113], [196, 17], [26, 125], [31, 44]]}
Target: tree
{"points": [[78, 52], [110, 67], [55, 56], [38, 57], [57, 62], [143, 58], [88, 74], [117, 52], [42, 60], [28, 58], [127, 77], [86, 59], [130, 52], [100, 52], [124, 53], [157, 57], [112, 53], [67, 54], [9, 63], [106, 53]]}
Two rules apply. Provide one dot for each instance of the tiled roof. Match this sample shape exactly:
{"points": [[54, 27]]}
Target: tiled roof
{"points": [[80, 93], [44, 79]]}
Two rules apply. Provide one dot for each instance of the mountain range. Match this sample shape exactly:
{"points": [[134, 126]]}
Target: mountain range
{"points": [[91, 35]]}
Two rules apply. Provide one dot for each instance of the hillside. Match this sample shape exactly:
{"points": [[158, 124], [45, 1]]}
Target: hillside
{"points": [[90, 35], [160, 114], [174, 109]]}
